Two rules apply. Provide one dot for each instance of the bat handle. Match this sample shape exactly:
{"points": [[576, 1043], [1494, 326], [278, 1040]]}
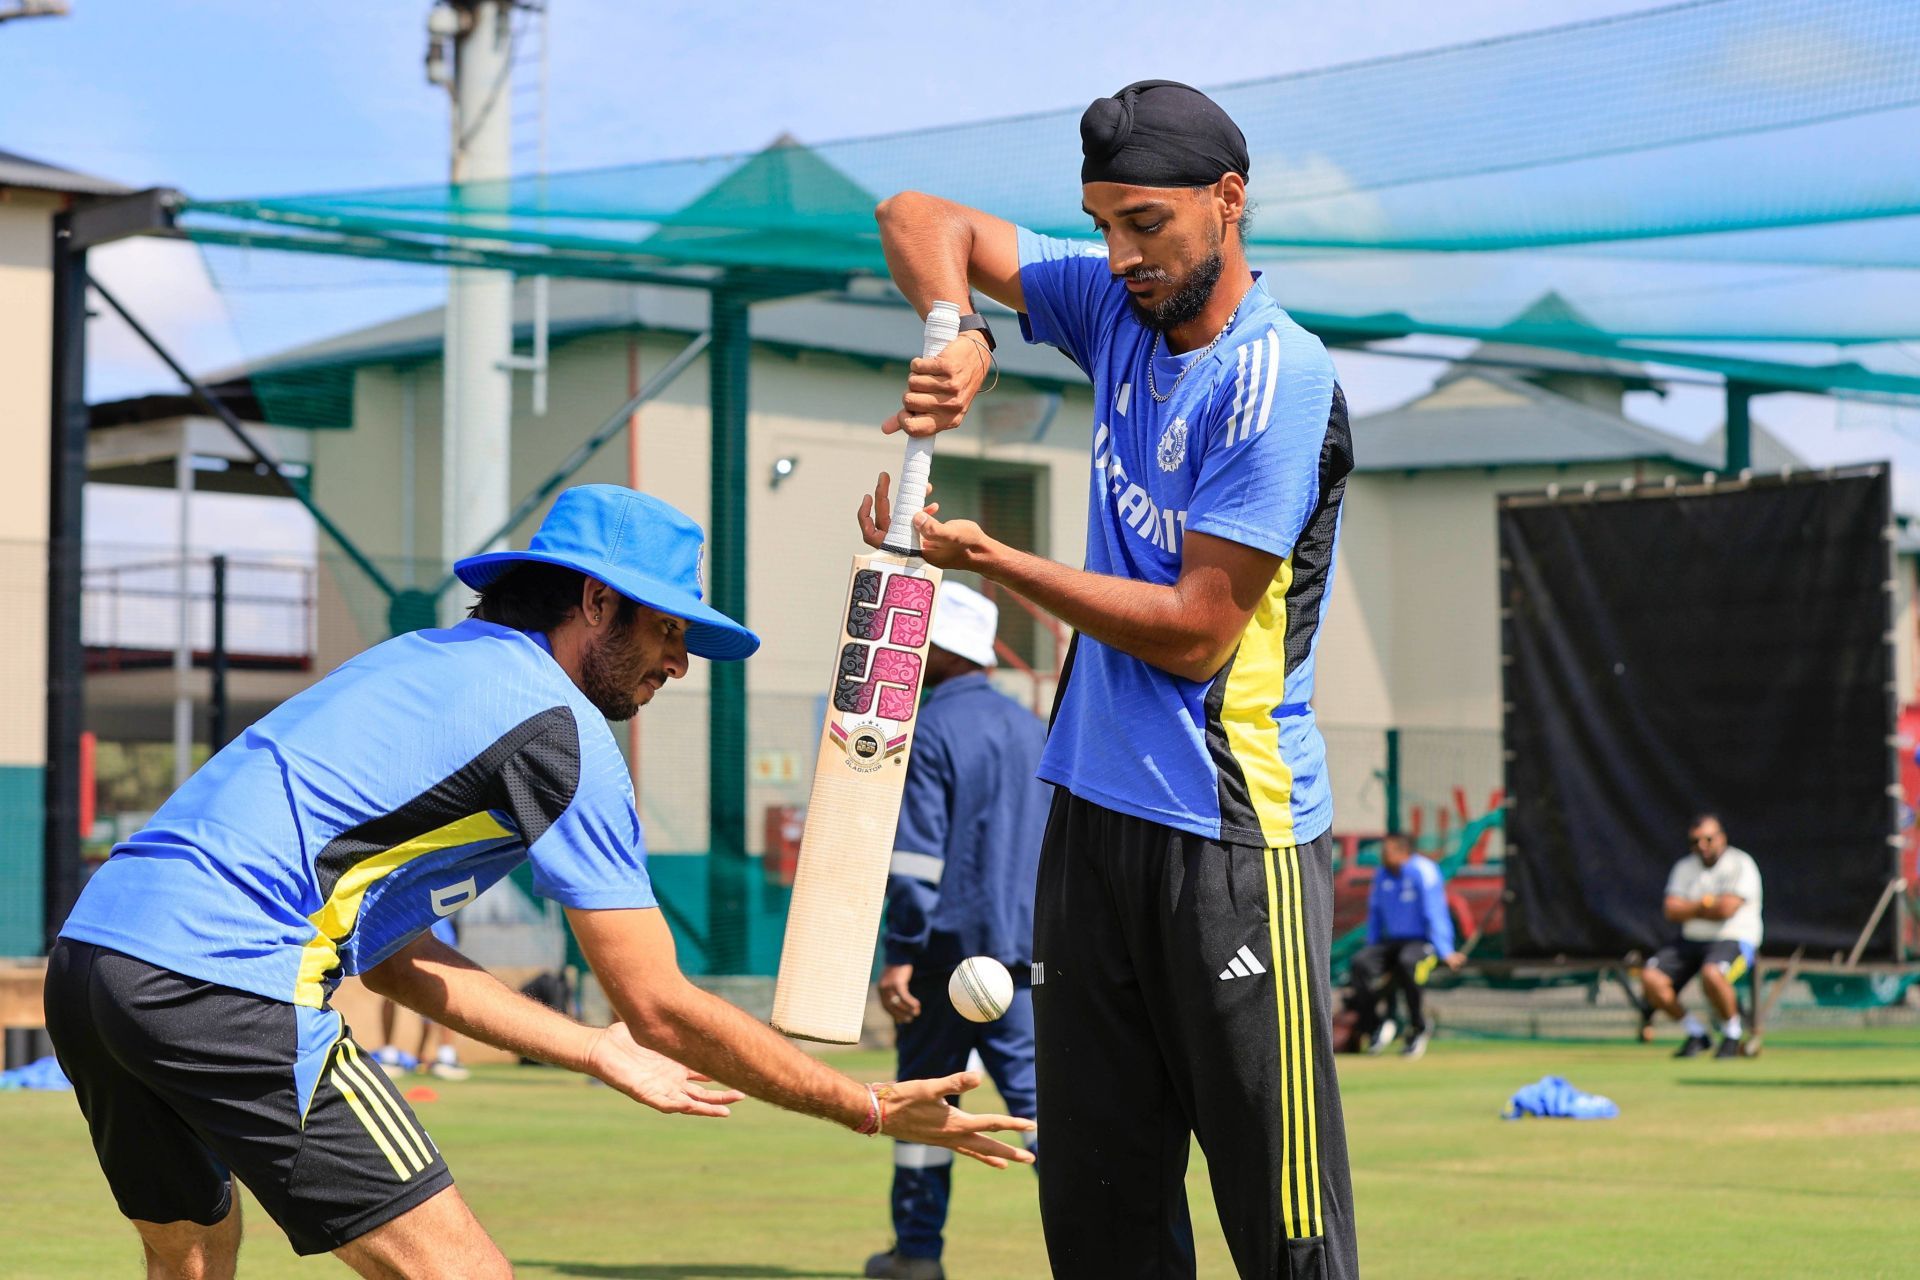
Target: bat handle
{"points": [[942, 327]]}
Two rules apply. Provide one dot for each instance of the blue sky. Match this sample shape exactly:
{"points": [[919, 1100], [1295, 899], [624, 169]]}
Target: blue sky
{"points": [[250, 97]]}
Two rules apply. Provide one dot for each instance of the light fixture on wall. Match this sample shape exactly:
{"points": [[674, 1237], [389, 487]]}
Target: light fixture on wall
{"points": [[782, 468]]}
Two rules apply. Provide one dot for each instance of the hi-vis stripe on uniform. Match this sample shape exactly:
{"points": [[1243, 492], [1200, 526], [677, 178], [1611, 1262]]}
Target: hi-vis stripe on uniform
{"points": [[334, 922], [371, 1096], [1300, 1207], [1254, 684], [1738, 968]]}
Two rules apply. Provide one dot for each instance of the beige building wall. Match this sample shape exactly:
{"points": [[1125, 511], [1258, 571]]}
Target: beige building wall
{"points": [[26, 372]]}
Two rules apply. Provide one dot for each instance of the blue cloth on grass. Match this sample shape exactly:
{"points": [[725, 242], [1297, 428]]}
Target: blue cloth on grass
{"points": [[1553, 1098], [44, 1074]]}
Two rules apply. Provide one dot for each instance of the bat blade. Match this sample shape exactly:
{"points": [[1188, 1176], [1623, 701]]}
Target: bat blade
{"points": [[880, 653]]}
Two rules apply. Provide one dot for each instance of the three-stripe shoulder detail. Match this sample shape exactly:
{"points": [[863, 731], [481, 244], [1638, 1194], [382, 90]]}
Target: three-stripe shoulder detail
{"points": [[1256, 372]]}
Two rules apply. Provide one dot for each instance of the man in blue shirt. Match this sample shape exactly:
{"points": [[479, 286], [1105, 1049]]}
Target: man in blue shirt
{"points": [[1409, 933], [1183, 914], [189, 993], [964, 862]]}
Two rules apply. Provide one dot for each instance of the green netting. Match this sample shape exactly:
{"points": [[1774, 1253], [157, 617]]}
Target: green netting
{"points": [[1721, 172]]}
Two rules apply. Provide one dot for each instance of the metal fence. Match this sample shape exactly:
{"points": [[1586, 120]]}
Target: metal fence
{"points": [[137, 609]]}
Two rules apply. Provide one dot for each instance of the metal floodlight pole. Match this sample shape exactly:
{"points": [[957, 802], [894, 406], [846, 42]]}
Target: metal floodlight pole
{"points": [[592, 445]]}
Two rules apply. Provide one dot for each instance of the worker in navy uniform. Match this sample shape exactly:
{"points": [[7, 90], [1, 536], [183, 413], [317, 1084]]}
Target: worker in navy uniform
{"points": [[964, 864]]}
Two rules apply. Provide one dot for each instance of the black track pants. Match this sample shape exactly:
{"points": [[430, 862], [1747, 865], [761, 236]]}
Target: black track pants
{"points": [[1180, 987]]}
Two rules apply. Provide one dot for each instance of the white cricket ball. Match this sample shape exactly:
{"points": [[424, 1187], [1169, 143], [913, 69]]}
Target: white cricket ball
{"points": [[981, 988]]}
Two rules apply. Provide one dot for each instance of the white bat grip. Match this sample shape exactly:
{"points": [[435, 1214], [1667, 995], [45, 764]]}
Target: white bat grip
{"points": [[943, 326]]}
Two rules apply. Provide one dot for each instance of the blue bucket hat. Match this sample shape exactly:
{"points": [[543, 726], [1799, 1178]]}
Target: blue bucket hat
{"points": [[640, 546]]}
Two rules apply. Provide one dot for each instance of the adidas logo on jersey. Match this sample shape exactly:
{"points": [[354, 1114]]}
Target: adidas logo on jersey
{"points": [[1243, 965]]}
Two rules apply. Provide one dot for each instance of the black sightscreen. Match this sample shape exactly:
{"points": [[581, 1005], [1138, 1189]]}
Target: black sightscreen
{"points": [[1721, 648]]}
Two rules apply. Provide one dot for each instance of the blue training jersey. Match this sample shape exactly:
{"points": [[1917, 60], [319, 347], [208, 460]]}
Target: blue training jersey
{"points": [[1251, 446], [966, 853], [361, 811], [1412, 904]]}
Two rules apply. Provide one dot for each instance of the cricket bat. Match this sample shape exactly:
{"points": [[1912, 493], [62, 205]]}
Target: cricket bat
{"points": [[880, 654]]}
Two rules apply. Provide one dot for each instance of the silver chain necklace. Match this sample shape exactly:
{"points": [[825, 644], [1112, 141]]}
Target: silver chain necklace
{"points": [[1153, 390]]}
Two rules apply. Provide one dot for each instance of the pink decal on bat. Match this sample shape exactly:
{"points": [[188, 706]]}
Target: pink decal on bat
{"points": [[898, 674], [867, 670], [900, 615]]}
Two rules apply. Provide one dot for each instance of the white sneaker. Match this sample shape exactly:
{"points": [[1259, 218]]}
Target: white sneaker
{"points": [[448, 1071], [1389, 1029]]}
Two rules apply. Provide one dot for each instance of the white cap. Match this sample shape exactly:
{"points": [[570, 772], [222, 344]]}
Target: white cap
{"points": [[965, 623]]}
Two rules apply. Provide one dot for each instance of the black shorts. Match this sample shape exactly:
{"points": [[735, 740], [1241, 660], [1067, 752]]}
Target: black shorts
{"points": [[183, 1082], [1683, 959]]}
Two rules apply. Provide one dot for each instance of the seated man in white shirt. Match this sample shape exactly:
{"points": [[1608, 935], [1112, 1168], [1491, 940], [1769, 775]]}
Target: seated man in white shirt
{"points": [[1713, 894]]}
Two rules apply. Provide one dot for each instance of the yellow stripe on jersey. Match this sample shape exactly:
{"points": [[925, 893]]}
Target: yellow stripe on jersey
{"points": [[334, 922], [1255, 686]]}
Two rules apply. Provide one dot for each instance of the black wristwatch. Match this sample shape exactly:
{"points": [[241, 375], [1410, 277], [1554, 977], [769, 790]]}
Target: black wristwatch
{"points": [[977, 323]]}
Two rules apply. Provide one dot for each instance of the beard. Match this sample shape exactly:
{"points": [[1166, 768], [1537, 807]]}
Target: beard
{"points": [[1189, 297], [612, 670]]}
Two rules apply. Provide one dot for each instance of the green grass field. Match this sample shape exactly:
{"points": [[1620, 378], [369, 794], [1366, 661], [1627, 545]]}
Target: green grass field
{"points": [[1805, 1162]]}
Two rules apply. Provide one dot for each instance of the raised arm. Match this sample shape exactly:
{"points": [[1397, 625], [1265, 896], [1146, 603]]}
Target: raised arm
{"points": [[939, 251]]}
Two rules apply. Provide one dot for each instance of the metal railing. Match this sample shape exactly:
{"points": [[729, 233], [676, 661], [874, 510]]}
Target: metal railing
{"points": [[133, 612]]}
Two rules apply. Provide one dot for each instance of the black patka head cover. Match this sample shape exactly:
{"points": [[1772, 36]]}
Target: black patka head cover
{"points": [[1160, 133]]}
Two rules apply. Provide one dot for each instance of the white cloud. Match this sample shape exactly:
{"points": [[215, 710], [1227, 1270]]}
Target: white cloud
{"points": [[1311, 197]]}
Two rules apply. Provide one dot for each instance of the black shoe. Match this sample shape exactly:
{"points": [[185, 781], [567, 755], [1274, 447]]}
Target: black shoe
{"points": [[1416, 1044], [893, 1266], [1694, 1047], [1729, 1048]]}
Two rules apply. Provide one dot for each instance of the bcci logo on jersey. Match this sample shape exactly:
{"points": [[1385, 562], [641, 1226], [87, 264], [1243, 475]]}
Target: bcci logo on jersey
{"points": [[1173, 446], [1164, 527]]}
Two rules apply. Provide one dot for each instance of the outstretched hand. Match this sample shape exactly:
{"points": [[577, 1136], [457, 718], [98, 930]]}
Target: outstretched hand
{"points": [[918, 1111], [647, 1077]]}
